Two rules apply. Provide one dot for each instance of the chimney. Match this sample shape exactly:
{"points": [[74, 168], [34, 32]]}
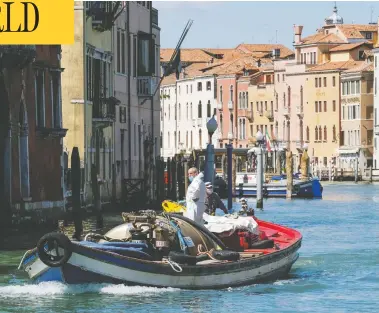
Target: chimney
{"points": [[298, 29]]}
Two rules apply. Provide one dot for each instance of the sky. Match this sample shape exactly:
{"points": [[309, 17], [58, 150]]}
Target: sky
{"points": [[219, 24]]}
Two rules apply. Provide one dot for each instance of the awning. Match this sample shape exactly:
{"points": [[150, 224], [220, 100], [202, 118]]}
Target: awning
{"points": [[348, 151]]}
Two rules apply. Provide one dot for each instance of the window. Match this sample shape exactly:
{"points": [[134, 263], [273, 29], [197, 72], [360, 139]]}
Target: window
{"points": [[314, 58], [301, 97], [307, 133], [361, 55], [200, 139], [199, 86], [187, 116], [316, 134], [118, 66], [316, 106], [316, 82], [369, 36], [40, 97], [376, 62], [191, 88], [325, 134], [209, 111], [199, 110], [179, 113], [277, 102], [325, 106], [334, 133], [324, 82], [239, 99], [187, 89], [144, 44], [334, 81], [358, 86], [123, 53], [89, 67], [334, 105], [319, 133], [208, 85], [134, 56], [231, 93], [191, 114], [320, 106], [220, 94], [135, 139], [56, 98], [375, 87], [221, 123]]}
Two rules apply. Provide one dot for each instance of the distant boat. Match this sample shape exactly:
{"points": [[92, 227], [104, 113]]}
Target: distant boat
{"points": [[246, 186]]}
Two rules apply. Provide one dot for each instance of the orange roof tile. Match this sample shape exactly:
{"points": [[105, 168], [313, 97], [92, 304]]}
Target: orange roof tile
{"points": [[354, 30], [169, 80], [348, 46], [236, 66], [265, 48], [186, 55], [321, 38], [335, 66], [364, 67]]}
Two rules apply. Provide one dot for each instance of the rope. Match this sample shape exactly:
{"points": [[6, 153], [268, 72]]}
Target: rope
{"points": [[182, 242], [23, 258], [175, 266]]}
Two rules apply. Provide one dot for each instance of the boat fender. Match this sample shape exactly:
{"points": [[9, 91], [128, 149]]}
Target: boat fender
{"points": [[182, 258], [226, 255], [263, 244], [201, 228], [53, 240]]}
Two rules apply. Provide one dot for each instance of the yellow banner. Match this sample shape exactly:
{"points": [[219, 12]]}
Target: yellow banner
{"points": [[37, 22]]}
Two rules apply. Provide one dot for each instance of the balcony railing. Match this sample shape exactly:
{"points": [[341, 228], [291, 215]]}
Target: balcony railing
{"points": [[286, 111], [270, 115], [219, 106], [16, 55], [230, 105], [376, 129], [104, 110], [146, 86], [299, 110]]}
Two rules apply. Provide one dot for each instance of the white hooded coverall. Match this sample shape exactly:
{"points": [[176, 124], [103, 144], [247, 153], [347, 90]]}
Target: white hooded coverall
{"points": [[196, 191]]}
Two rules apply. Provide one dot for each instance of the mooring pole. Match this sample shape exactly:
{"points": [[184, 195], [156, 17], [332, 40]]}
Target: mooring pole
{"points": [[75, 186], [229, 153]]}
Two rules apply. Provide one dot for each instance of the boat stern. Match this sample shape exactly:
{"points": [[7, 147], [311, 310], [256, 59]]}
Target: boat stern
{"points": [[37, 270]]}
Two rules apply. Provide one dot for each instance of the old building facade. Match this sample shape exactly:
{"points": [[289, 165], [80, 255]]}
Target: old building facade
{"points": [[31, 115]]}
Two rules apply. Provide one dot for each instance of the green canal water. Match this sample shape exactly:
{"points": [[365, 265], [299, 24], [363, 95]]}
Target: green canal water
{"points": [[338, 268]]}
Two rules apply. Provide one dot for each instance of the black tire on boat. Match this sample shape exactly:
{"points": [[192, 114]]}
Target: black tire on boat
{"points": [[226, 255], [201, 228], [263, 244], [62, 241], [182, 258]]}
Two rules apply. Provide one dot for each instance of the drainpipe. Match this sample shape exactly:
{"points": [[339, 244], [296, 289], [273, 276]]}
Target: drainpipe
{"points": [[85, 97], [128, 90]]}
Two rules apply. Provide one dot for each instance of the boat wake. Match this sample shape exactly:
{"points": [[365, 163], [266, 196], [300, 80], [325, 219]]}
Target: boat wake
{"points": [[56, 288]]}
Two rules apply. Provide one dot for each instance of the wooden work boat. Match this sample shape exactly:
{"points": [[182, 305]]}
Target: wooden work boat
{"points": [[57, 258]]}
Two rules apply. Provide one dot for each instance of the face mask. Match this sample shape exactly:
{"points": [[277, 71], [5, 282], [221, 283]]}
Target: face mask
{"points": [[190, 178]]}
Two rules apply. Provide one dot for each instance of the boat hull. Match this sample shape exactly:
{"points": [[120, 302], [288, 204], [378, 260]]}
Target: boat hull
{"points": [[88, 265], [311, 189]]}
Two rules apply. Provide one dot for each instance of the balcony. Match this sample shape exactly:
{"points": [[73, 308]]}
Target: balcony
{"points": [[270, 115], [103, 14], [12, 56], [230, 105], [104, 112], [287, 111], [219, 106], [199, 122], [146, 86], [299, 144], [376, 129], [299, 110], [243, 113]]}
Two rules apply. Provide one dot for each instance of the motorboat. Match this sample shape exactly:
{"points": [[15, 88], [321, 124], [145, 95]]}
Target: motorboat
{"points": [[169, 250], [246, 186]]}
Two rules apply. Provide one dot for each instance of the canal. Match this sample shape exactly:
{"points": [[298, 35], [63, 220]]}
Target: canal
{"points": [[338, 268]]}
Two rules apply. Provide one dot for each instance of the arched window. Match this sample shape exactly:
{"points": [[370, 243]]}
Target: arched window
{"points": [[307, 134], [316, 134], [200, 139], [325, 134], [199, 110], [319, 133], [231, 124], [221, 123], [231, 93], [209, 85], [209, 111], [220, 94], [334, 133]]}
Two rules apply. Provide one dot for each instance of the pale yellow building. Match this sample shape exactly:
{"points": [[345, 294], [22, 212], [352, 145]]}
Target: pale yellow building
{"points": [[88, 108], [357, 104]]}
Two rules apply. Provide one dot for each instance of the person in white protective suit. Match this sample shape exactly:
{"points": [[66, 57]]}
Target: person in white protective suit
{"points": [[195, 197]]}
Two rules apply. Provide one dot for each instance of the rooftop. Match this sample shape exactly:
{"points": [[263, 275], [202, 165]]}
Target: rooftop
{"points": [[335, 66], [349, 46]]}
